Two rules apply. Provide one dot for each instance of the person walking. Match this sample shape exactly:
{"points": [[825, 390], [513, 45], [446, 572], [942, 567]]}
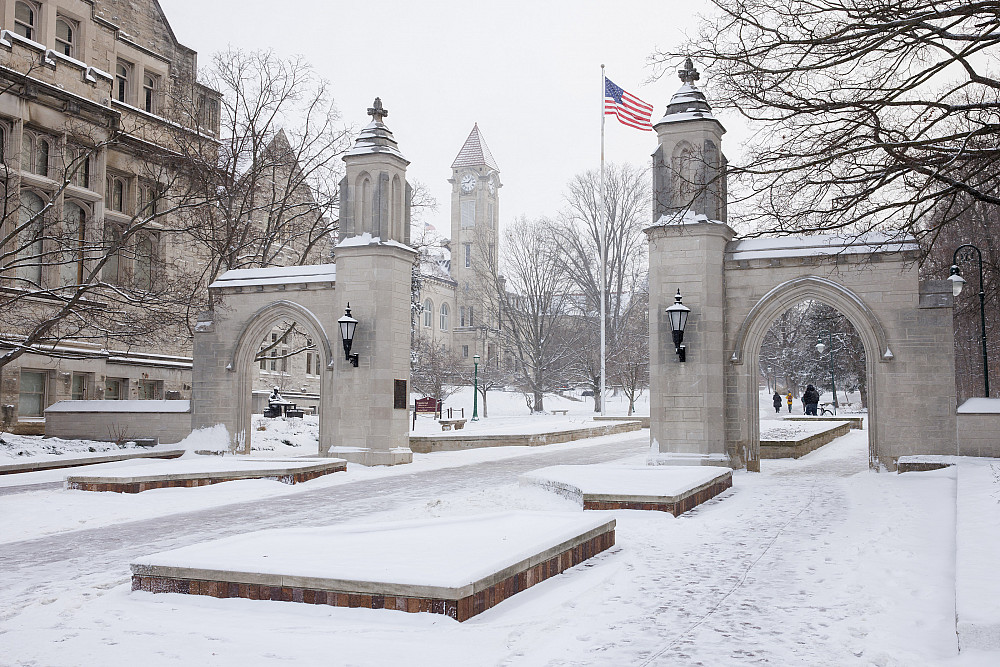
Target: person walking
{"points": [[777, 401], [788, 399], [810, 400]]}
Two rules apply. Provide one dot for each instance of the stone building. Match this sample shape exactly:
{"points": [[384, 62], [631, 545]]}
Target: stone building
{"points": [[98, 99], [452, 311]]}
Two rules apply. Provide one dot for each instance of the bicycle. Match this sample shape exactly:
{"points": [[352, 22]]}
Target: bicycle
{"points": [[824, 410]]}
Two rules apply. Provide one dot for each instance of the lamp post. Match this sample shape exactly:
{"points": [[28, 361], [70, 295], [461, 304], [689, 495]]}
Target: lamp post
{"points": [[347, 326], [833, 383], [678, 314], [964, 253], [475, 388]]}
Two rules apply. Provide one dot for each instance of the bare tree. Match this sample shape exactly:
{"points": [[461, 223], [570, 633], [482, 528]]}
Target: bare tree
{"points": [[626, 206], [867, 115], [629, 362], [271, 189], [532, 301], [437, 371]]}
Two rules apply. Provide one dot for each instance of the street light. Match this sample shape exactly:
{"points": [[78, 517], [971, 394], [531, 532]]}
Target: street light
{"points": [[347, 326], [475, 389], [964, 253], [678, 314], [833, 383]]}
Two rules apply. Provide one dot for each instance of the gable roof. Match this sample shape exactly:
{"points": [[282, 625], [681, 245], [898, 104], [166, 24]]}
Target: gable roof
{"points": [[475, 152]]}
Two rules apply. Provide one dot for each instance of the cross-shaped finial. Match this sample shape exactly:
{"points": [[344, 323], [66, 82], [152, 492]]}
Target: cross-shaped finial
{"points": [[689, 74], [376, 111]]}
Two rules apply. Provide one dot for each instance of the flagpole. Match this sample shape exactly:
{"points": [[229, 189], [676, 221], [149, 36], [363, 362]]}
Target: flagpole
{"points": [[603, 241]]}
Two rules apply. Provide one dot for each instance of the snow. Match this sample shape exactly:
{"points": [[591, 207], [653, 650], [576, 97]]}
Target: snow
{"points": [[977, 588], [628, 480], [444, 552], [367, 239], [201, 464], [277, 275], [795, 430], [813, 561], [805, 246], [120, 406], [980, 406]]}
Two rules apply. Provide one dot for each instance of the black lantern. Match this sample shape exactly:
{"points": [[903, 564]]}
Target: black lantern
{"points": [[347, 326], [678, 314]]}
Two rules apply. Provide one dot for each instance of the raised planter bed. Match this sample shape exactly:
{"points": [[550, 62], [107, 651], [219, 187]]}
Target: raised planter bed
{"points": [[202, 472], [457, 567], [77, 461], [425, 444], [796, 447], [856, 421], [674, 489]]}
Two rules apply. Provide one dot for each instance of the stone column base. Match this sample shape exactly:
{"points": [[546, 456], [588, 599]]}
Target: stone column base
{"points": [[372, 457], [685, 459]]}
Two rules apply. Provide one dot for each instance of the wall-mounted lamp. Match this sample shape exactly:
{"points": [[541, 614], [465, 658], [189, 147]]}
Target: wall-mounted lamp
{"points": [[347, 326], [678, 314]]}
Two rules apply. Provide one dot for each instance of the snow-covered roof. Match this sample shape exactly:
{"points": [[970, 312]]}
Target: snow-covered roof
{"points": [[475, 152], [376, 138], [805, 246], [980, 406], [368, 239], [120, 406], [277, 275], [688, 103]]}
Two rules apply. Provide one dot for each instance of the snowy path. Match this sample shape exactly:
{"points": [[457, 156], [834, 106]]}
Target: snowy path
{"points": [[815, 561]]}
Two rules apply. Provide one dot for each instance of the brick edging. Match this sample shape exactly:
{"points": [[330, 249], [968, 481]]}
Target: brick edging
{"points": [[460, 609], [138, 487], [685, 504]]}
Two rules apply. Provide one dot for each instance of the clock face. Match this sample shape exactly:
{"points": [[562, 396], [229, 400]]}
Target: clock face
{"points": [[468, 183]]}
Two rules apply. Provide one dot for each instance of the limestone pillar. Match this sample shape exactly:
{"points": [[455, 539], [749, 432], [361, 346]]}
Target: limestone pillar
{"points": [[368, 425], [687, 399]]}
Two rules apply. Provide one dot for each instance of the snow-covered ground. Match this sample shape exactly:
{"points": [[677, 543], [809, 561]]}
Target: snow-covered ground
{"points": [[815, 561]]}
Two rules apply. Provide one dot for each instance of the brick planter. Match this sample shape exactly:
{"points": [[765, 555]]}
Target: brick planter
{"points": [[675, 507]]}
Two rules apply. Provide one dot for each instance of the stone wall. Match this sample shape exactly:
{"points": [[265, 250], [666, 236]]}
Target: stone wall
{"points": [[979, 427], [167, 421]]}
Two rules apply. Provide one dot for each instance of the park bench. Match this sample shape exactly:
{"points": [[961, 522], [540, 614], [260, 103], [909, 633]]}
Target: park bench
{"points": [[560, 412], [447, 424]]}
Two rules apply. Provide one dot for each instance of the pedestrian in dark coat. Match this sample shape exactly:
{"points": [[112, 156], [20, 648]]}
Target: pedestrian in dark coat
{"points": [[777, 402], [810, 400]]}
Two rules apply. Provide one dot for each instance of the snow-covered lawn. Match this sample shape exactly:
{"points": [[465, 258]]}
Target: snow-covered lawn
{"points": [[815, 561]]}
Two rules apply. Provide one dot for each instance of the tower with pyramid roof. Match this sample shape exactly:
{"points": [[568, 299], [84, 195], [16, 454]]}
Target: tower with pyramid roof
{"points": [[475, 212]]}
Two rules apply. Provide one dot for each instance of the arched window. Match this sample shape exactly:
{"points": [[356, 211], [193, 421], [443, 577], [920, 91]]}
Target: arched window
{"points": [[148, 93], [114, 196], [29, 243], [25, 15], [363, 221], [74, 235], [428, 313], [40, 165], [65, 36], [112, 248], [396, 227], [444, 317], [122, 73], [145, 251]]}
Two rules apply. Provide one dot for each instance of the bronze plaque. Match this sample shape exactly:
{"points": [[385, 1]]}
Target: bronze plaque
{"points": [[399, 398]]}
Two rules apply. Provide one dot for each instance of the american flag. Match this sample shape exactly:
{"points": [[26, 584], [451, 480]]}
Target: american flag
{"points": [[630, 109]]}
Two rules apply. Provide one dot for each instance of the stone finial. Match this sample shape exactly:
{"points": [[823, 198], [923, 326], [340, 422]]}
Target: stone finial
{"points": [[687, 75], [377, 112]]}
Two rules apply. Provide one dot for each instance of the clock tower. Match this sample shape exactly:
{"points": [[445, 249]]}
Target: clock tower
{"points": [[475, 214]]}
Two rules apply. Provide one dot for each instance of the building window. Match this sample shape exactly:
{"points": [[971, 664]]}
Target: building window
{"points": [[468, 255], [115, 389], [491, 215], [78, 389], [65, 36], [73, 237], [123, 72], [29, 243], [428, 313], [461, 316], [25, 15], [31, 402], [145, 257], [78, 166], [34, 154], [312, 359], [469, 213], [444, 317], [465, 351], [149, 93], [149, 390], [112, 251], [115, 194], [471, 323]]}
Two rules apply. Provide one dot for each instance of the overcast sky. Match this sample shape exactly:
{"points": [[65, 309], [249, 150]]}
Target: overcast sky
{"points": [[528, 71]]}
